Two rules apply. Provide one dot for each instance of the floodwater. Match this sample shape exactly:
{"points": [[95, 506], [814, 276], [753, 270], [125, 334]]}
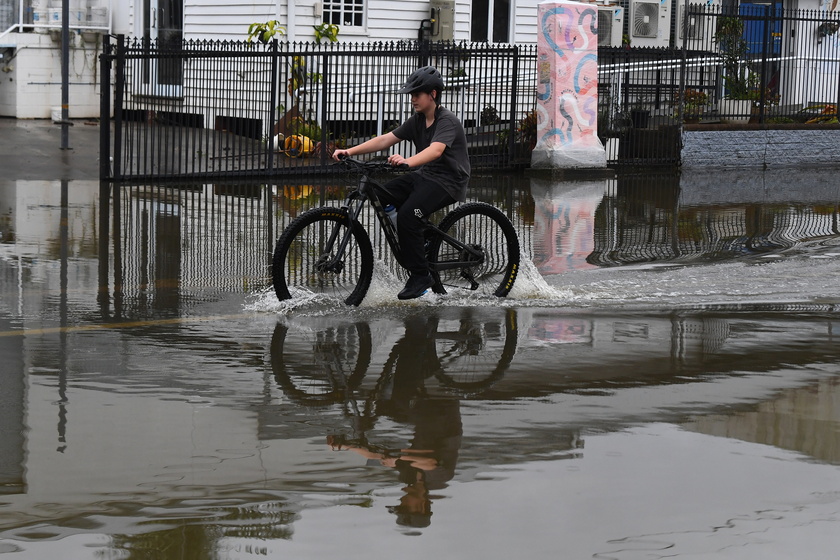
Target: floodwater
{"points": [[663, 381]]}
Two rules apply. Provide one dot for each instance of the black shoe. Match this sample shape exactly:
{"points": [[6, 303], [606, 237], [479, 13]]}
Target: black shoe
{"points": [[416, 286]]}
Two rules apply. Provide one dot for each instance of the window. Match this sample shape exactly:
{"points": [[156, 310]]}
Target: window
{"points": [[490, 21], [345, 13]]}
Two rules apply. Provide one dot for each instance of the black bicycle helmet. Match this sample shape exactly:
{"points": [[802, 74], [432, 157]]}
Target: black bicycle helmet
{"points": [[423, 79]]}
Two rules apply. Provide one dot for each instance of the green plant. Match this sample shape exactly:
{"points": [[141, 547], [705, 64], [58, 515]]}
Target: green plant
{"points": [[265, 32], [754, 92], [729, 36], [502, 138], [327, 31]]}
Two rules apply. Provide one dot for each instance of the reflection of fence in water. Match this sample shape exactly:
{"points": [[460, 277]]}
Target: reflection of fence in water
{"points": [[641, 220], [191, 242], [197, 240]]}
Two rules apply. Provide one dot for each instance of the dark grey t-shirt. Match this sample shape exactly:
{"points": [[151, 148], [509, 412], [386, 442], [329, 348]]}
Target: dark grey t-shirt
{"points": [[452, 169]]}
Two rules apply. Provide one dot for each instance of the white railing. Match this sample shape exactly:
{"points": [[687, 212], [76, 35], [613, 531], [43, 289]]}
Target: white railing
{"points": [[38, 16]]}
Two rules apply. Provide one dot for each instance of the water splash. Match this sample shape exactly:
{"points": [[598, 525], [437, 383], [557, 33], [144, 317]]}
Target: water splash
{"points": [[805, 275]]}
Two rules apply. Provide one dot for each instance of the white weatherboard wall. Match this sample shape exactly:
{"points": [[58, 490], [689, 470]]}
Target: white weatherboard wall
{"points": [[386, 21], [32, 85], [228, 21]]}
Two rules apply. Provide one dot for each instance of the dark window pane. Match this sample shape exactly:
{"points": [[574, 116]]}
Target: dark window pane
{"points": [[501, 20], [478, 25]]}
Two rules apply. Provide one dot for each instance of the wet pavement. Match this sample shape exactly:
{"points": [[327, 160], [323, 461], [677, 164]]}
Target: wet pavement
{"points": [[662, 382], [31, 150]]}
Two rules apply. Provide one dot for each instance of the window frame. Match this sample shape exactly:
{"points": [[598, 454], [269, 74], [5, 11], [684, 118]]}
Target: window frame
{"points": [[491, 20], [331, 7]]}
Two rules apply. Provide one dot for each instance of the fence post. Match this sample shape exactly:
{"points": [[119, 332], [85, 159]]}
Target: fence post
{"points": [[765, 45], [272, 106], [105, 109], [119, 87], [324, 99], [683, 60], [513, 97]]}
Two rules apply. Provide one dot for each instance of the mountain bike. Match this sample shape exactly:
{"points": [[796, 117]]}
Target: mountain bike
{"points": [[328, 251]]}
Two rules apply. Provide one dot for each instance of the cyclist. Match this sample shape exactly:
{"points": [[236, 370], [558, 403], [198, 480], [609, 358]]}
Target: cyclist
{"points": [[440, 178]]}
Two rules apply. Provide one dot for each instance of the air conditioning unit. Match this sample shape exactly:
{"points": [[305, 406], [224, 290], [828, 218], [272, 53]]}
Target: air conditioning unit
{"points": [[700, 25], [650, 23], [610, 26]]}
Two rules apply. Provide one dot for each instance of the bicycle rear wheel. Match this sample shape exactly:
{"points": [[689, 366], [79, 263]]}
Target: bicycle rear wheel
{"points": [[487, 230], [305, 257]]}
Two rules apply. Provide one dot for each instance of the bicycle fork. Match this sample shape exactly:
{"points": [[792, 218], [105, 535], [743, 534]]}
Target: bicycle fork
{"points": [[333, 261]]}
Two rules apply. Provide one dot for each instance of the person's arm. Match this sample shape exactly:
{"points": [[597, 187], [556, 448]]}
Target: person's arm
{"points": [[376, 144], [434, 151]]}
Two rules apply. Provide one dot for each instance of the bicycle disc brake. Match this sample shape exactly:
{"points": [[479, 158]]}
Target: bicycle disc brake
{"points": [[327, 263]]}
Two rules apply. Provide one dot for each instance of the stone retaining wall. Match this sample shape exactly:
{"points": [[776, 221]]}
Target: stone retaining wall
{"points": [[748, 145]]}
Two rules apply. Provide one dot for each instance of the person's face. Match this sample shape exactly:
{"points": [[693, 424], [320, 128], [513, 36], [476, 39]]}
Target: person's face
{"points": [[422, 101]]}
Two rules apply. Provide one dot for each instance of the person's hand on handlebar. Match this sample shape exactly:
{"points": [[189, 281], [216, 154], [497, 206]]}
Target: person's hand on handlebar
{"points": [[397, 160], [339, 155]]}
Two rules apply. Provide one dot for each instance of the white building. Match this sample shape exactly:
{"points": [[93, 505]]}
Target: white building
{"points": [[30, 67]]}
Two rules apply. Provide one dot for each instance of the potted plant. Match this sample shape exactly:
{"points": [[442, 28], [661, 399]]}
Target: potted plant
{"points": [[735, 104]]}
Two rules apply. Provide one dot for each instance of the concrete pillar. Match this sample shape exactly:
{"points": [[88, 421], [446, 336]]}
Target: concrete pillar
{"points": [[567, 88]]}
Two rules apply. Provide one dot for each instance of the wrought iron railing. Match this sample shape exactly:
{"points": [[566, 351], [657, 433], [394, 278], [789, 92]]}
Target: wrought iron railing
{"points": [[237, 109]]}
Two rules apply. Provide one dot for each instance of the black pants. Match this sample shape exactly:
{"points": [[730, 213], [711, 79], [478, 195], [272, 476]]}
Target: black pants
{"points": [[414, 198]]}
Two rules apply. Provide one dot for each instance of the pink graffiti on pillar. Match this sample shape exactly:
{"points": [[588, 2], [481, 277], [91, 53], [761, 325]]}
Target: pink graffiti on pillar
{"points": [[567, 89]]}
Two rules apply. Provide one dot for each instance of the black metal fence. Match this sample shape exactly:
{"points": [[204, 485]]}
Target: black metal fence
{"points": [[753, 63], [237, 109]]}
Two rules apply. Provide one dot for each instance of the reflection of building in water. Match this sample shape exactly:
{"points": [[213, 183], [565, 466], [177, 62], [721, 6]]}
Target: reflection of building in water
{"points": [[564, 223], [803, 419]]}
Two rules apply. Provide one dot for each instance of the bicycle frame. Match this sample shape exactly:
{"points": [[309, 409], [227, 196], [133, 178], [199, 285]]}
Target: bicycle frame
{"points": [[366, 192]]}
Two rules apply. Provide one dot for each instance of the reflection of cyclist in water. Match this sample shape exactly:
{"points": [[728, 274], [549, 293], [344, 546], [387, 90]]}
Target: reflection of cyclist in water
{"points": [[429, 461]]}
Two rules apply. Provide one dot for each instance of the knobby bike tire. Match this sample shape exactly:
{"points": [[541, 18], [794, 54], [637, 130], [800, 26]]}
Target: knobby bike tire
{"points": [[297, 253], [478, 224]]}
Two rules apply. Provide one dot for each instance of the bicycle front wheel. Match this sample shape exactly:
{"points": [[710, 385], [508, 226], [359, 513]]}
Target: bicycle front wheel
{"points": [[490, 263], [308, 258]]}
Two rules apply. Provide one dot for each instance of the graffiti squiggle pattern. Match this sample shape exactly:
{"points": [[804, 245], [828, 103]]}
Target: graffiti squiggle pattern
{"points": [[567, 92]]}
